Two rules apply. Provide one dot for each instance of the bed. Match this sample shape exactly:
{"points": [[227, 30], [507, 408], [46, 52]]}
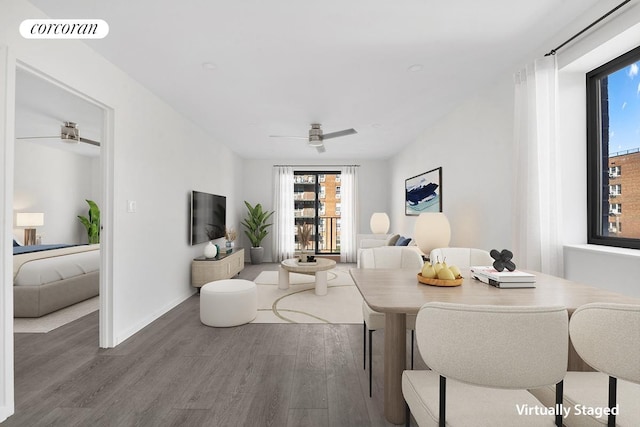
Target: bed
{"points": [[47, 278]]}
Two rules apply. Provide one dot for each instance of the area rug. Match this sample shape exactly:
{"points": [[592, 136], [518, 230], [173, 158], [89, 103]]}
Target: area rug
{"points": [[49, 322], [300, 304]]}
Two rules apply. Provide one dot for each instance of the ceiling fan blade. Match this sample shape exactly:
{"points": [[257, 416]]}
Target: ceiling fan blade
{"points": [[321, 149], [89, 141], [339, 133], [81, 139], [38, 137], [288, 136]]}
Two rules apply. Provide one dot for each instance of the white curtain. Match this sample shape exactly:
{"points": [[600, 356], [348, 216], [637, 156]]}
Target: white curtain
{"points": [[349, 213], [283, 225], [537, 202]]}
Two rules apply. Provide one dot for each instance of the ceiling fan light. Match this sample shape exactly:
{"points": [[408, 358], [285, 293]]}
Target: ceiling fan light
{"points": [[315, 141]]}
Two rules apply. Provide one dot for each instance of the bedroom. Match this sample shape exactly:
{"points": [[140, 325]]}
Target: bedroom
{"points": [[53, 178]]}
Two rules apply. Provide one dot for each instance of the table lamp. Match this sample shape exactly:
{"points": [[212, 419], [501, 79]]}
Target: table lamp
{"points": [[432, 230], [379, 223], [29, 220]]}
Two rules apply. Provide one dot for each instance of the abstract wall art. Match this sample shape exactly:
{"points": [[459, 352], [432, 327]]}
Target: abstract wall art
{"points": [[423, 193]]}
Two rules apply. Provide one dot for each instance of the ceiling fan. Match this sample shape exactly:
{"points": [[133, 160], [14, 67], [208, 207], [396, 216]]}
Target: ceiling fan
{"points": [[316, 137], [69, 132]]}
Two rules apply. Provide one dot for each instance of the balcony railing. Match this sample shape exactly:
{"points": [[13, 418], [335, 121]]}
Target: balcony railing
{"points": [[329, 237]]}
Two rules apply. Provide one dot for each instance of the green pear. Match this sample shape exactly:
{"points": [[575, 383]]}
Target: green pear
{"points": [[428, 271], [437, 266], [445, 274], [455, 270]]}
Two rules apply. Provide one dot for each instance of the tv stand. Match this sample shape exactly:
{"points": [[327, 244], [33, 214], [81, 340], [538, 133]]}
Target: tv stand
{"points": [[223, 266]]}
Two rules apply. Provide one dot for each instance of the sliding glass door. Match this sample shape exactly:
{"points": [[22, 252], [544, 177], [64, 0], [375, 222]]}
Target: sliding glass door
{"points": [[317, 211]]}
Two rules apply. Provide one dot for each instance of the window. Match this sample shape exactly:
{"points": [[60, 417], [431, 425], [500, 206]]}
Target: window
{"points": [[615, 208], [315, 195], [613, 147], [615, 190]]}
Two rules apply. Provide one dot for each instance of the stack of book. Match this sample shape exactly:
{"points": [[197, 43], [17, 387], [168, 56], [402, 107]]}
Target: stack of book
{"points": [[503, 279]]}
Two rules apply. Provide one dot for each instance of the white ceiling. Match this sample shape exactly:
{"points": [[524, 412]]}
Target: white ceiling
{"points": [[281, 65]]}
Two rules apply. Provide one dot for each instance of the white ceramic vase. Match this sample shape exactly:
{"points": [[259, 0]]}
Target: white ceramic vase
{"points": [[210, 250]]}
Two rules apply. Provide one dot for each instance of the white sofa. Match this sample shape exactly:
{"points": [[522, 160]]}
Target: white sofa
{"points": [[366, 241]]}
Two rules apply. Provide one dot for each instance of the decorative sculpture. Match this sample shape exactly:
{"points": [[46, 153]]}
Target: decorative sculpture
{"points": [[502, 259]]}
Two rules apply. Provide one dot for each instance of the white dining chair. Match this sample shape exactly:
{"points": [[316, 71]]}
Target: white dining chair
{"points": [[385, 257], [483, 359], [607, 337], [461, 257]]}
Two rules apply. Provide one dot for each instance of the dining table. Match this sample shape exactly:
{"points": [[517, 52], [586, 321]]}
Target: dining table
{"points": [[397, 292]]}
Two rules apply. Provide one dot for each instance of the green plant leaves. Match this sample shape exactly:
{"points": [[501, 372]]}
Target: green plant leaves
{"points": [[256, 223], [92, 224]]}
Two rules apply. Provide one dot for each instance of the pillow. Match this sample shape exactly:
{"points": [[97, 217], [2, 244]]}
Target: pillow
{"points": [[393, 239], [15, 243], [403, 241]]}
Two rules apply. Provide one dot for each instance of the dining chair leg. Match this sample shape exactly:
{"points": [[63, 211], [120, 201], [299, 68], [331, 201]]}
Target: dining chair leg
{"points": [[407, 415], [412, 339], [613, 386], [370, 359], [364, 345]]}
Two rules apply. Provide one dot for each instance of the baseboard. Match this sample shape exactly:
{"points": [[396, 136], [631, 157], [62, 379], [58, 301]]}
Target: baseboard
{"points": [[5, 412], [120, 338]]}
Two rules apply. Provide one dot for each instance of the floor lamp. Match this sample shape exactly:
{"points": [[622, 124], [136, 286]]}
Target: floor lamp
{"points": [[29, 220]]}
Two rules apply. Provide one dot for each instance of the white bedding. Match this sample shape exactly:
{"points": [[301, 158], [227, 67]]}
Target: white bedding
{"points": [[46, 270]]}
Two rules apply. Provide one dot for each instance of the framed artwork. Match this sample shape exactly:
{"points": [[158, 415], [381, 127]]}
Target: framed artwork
{"points": [[423, 193]]}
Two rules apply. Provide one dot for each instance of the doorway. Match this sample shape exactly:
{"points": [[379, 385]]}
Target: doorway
{"points": [[43, 107]]}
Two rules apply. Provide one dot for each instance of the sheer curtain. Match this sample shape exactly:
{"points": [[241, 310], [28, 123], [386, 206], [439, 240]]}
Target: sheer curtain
{"points": [[537, 202], [283, 225], [349, 213]]}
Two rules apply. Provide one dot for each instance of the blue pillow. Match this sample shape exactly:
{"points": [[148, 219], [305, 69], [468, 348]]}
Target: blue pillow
{"points": [[403, 241], [15, 244]]}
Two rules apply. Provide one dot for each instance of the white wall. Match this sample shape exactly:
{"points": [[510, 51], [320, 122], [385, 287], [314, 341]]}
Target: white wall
{"points": [[472, 144], [373, 187], [56, 183], [158, 156]]}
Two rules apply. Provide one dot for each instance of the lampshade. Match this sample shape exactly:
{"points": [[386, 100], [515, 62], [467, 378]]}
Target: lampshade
{"points": [[24, 219], [432, 230], [379, 223]]}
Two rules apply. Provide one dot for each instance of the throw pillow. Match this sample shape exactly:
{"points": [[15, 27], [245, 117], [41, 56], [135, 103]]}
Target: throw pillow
{"points": [[393, 239], [15, 243], [403, 241]]}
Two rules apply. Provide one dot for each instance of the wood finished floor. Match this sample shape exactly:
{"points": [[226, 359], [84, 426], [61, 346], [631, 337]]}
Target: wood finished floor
{"points": [[178, 372]]}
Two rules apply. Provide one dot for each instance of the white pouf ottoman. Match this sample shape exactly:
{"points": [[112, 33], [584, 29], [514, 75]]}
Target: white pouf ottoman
{"points": [[229, 302]]}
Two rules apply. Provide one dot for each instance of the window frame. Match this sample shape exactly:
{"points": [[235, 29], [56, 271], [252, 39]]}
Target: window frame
{"points": [[597, 163], [319, 203]]}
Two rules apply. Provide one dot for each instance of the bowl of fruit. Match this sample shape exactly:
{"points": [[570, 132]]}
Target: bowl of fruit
{"points": [[440, 274]]}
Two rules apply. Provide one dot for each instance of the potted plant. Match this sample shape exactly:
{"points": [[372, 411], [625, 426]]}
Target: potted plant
{"points": [[230, 235], [92, 224], [304, 237], [256, 224]]}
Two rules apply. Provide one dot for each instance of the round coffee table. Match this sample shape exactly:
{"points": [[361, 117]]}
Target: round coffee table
{"points": [[319, 268]]}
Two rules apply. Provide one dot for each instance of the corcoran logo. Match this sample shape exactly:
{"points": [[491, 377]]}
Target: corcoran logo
{"points": [[64, 29]]}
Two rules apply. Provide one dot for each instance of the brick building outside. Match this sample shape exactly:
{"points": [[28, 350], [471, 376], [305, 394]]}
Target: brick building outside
{"points": [[624, 194]]}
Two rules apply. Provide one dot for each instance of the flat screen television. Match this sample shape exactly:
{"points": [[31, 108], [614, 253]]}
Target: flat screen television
{"points": [[208, 217]]}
